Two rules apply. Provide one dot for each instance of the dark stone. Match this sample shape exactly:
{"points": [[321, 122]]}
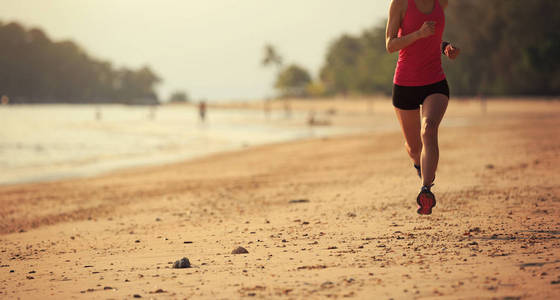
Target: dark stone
{"points": [[182, 264], [239, 250], [299, 201]]}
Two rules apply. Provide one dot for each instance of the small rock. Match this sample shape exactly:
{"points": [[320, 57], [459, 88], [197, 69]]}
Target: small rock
{"points": [[158, 220], [489, 166], [299, 201], [12, 271], [32, 272], [183, 263], [137, 296], [107, 288], [555, 282], [137, 241], [187, 242], [158, 291], [351, 215], [239, 250]]}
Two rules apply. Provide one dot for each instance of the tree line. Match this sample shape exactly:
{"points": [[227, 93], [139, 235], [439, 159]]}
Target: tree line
{"points": [[35, 69], [508, 47]]}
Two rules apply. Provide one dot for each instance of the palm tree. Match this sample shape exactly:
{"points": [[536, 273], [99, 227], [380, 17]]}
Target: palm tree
{"points": [[271, 57]]}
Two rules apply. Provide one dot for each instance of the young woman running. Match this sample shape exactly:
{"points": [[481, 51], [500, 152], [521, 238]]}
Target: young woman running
{"points": [[415, 29]]}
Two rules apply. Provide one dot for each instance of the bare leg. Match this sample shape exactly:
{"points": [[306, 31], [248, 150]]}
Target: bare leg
{"points": [[410, 125], [433, 110]]}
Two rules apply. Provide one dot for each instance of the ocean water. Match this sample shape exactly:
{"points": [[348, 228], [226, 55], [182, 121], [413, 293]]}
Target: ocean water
{"points": [[50, 142]]}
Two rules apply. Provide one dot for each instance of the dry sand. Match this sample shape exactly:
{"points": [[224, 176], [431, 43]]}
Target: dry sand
{"points": [[495, 233]]}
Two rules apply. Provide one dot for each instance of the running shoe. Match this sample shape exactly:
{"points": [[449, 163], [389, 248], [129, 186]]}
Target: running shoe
{"points": [[417, 167], [426, 201]]}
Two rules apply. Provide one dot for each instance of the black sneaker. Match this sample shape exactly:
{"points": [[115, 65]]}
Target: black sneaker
{"points": [[426, 201]]}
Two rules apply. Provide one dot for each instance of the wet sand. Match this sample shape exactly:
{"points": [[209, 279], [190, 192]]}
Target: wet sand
{"points": [[323, 218]]}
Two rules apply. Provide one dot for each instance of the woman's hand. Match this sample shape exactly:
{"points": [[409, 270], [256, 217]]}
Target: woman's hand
{"points": [[451, 51], [427, 29]]}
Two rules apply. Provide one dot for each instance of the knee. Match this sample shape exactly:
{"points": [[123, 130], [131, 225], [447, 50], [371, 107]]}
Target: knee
{"points": [[429, 129]]}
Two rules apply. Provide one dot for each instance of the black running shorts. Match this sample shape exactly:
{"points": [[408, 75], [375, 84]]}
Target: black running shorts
{"points": [[411, 97]]}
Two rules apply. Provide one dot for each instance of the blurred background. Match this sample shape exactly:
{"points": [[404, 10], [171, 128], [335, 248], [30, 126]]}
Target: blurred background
{"points": [[121, 59]]}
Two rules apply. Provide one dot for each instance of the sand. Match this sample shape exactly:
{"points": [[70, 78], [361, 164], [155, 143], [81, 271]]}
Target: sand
{"points": [[323, 218]]}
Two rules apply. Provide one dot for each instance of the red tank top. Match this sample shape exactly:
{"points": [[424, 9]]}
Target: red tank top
{"points": [[420, 63]]}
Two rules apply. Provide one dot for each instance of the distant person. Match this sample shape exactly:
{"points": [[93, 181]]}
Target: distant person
{"points": [[98, 114], [5, 100], [152, 114], [415, 29], [267, 109], [287, 109], [202, 110]]}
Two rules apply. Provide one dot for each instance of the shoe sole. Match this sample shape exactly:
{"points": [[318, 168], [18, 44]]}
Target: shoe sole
{"points": [[426, 201]]}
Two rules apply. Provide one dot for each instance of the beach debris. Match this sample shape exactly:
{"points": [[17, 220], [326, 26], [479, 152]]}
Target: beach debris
{"points": [[299, 201], [158, 291], [317, 267], [351, 215], [182, 263], [490, 166], [239, 250], [137, 296], [476, 229], [137, 241], [555, 282], [108, 288], [30, 277]]}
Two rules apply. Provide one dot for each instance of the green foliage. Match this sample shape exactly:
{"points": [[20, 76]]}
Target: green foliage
{"points": [[293, 81], [179, 96], [508, 47], [358, 65], [36, 69]]}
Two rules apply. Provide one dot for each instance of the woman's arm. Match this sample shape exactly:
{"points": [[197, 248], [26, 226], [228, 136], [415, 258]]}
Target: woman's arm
{"points": [[392, 41]]}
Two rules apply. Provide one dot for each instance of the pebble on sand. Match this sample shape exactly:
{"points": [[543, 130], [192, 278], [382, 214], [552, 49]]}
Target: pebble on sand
{"points": [[182, 263], [239, 250], [299, 201]]}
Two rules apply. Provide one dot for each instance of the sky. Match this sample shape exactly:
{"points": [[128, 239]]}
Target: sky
{"points": [[212, 49]]}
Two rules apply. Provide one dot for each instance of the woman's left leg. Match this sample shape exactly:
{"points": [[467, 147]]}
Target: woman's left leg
{"points": [[433, 109]]}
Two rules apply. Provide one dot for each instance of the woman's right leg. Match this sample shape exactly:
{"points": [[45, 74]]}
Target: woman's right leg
{"points": [[410, 125]]}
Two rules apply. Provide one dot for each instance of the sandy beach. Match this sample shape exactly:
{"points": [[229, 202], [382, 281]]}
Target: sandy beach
{"points": [[320, 218]]}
